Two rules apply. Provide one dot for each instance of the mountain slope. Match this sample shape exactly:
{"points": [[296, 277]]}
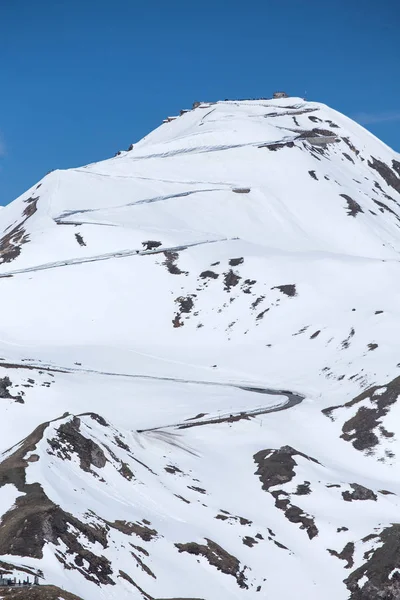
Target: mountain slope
{"points": [[200, 358]]}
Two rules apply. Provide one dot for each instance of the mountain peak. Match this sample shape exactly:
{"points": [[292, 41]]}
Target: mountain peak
{"points": [[214, 313]]}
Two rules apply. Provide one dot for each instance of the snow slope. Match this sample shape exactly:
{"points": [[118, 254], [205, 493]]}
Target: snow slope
{"points": [[199, 363]]}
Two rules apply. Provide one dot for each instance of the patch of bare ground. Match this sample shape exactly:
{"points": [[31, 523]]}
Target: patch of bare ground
{"points": [[231, 279], [208, 275], [80, 239], [388, 174], [361, 429], [151, 244], [5, 384], [139, 529], [170, 262], [384, 208], [218, 558], [353, 208], [359, 493], [379, 569], [346, 554], [277, 467], [288, 289], [186, 305], [41, 592], [277, 146], [35, 520], [11, 242]]}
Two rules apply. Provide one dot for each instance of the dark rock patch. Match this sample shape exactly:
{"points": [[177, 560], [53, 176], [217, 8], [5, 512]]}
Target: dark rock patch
{"points": [[209, 275], [381, 584], [346, 342], [277, 146], [313, 175], [359, 493], [288, 289], [80, 239], [241, 190], [151, 244], [346, 554], [186, 305], [303, 489], [351, 145], [360, 429], [262, 314], [257, 302], [172, 469], [332, 124], [249, 541], [315, 334], [295, 514], [372, 346], [384, 208], [197, 489], [234, 262], [138, 529], [390, 177], [170, 263], [231, 279], [135, 585], [277, 467], [247, 285], [353, 208], [218, 558], [348, 157], [315, 119], [5, 384], [69, 441], [42, 592]]}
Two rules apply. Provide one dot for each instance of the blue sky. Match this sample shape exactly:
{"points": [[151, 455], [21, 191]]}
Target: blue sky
{"points": [[81, 79]]}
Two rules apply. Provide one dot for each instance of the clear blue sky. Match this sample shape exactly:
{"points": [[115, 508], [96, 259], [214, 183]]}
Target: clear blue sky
{"points": [[81, 79]]}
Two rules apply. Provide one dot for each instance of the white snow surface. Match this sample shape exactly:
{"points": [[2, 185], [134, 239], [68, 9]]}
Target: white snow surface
{"points": [[272, 269]]}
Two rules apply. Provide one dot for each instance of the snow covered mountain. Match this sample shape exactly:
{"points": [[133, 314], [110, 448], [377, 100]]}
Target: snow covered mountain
{"points": [[199, 364]]}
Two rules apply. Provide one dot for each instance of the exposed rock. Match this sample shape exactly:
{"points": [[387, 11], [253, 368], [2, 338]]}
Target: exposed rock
{"points": [[142, 531], [359, 493], [277, 467], [386, 173], [217, 557], [382, 580], [170, 263], [151, 244], [42, 592], [231, 279], [353, 208], [234, 262], [80, 239], [360, 429], [209, 275], [69, 441], [288, 289], [346, 554]]}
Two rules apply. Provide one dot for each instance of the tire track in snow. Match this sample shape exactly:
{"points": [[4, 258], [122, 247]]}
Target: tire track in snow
{"points": [[293, 398], [108, 256], [70, 213]]}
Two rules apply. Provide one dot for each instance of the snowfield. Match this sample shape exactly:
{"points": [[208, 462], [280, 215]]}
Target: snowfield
{"points": [[199, 364]]}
